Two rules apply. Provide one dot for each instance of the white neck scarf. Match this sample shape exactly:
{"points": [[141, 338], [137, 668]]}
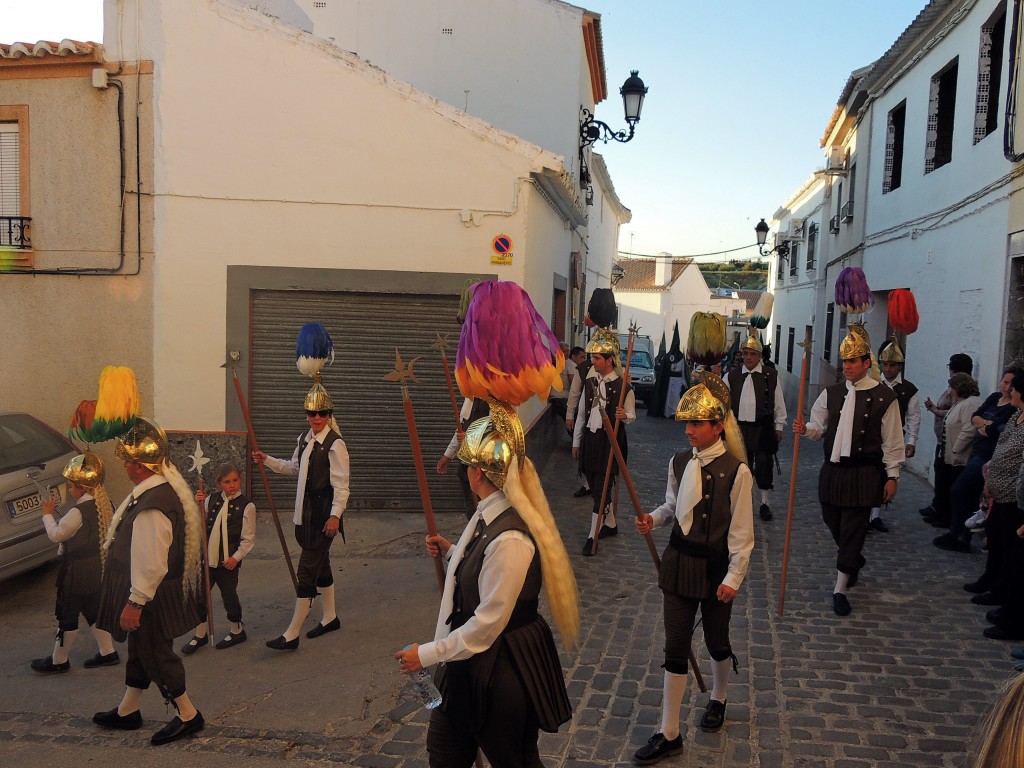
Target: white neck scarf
{"points": [[594, 421], [843, 443], [691, 489], [218, 536]]}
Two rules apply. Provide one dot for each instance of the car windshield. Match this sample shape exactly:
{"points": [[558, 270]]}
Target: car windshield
{"points": [[25, 441], [641, 359]]}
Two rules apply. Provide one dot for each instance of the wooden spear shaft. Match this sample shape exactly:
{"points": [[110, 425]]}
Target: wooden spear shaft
{"points": [[266, 480], [421, 477], [206, 560], [804, 367]]}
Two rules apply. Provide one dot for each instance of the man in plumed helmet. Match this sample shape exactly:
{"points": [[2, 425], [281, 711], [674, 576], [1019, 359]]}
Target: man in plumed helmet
{"points": [[708, 505], [321, 462], [758, 406], [891, 360], [80, 534], [152, 581], [863, 441], [502, 680], [602, 388]]}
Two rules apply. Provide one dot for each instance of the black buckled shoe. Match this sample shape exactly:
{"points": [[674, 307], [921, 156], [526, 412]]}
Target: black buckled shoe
{"points": [[657, 748], [101, 660], [110, 719], [177, 729], [195, 644], [588, 548], [765, 512], [877, 524], [582, 491], [840, 604], [607, 530], [46, 666], [280, 644], [231, 640], [322, 629], [714, 716]]}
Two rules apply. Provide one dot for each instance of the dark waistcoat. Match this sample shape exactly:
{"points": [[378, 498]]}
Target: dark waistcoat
{"points": [[765, 382], [871, 405]]}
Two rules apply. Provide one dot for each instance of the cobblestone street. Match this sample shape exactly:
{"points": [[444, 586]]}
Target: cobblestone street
{"points": [[900, 682]]}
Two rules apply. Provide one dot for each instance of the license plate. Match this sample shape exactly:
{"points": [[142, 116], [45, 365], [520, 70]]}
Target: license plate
{"points": [[26, 505]]}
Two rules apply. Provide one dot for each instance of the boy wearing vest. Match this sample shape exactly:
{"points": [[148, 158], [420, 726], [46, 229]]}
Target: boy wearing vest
{"points": [[320, 460], [708, 504], [230, 535], [79, 533]]}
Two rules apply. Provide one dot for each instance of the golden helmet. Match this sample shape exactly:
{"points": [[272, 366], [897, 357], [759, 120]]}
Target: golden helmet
{"points": [[486, 448], [707, 401], [85, 470], [891, 353], [145, 444], [317, 399], [856, 344], [752, 342], [604, 342]]}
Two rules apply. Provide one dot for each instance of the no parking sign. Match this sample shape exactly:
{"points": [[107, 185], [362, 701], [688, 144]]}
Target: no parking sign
{"points": [[502, 247]]}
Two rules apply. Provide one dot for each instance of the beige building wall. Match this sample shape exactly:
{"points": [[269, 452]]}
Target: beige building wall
{"points": [[60, 330]]}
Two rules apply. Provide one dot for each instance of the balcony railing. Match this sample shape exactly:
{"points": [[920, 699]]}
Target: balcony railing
{"points": [[14, 232]]}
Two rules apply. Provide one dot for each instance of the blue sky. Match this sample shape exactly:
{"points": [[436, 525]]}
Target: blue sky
{"points": [[740, 94]]}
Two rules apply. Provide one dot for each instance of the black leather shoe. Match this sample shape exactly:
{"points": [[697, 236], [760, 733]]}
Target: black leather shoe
{"points": [[657, 748], [977, 587], [765, 512], [322, 629], [853, 579], [177, 729], [46, 665], [840, 604], [714, 716], [582, 491], [110, 719], [99, 660], [999, 633], [928, 511], [986, 598], [951, 543], [995, 616], [280, 644], [607, 531], [230, 640], [195, 644], [877, 524], [588, 548]]}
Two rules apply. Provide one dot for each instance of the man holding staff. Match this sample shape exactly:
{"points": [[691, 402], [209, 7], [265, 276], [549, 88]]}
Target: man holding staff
{"points": [[863, 441]]}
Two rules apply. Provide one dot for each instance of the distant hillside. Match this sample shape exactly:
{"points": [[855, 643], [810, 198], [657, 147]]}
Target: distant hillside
{"points": [[748, 275]]}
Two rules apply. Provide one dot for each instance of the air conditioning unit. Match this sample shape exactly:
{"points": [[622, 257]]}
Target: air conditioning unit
{"points": [[835, 162], [846, 212], [833, 224]]}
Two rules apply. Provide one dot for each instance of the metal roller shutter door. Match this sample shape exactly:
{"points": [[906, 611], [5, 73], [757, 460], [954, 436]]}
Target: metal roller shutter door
{"points": [[365, 328]]}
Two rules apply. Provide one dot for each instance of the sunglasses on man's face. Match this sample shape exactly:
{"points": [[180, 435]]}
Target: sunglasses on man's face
{"points": [[321, 414]]}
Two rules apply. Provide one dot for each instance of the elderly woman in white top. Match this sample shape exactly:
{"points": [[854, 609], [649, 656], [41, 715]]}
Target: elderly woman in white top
{"points": [[957, 438]]}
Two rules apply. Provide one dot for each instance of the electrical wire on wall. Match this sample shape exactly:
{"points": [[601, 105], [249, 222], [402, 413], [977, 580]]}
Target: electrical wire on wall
{"points": [[1012, 85]]}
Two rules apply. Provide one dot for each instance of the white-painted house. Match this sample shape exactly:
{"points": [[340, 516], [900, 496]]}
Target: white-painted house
{"points": [[656, 293], [916, 190]]}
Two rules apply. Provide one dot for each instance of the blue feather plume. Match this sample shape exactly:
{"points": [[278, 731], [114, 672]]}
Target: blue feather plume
{"points": [[313, 349]]}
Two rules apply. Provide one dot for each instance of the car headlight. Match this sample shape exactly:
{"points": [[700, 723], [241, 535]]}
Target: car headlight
{"points": [[647, 379]]}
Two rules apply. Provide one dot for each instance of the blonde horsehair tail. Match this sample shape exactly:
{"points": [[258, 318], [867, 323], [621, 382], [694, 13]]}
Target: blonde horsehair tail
{"points": [[104, 511], [191, 579], [734, 438], [523, 489]]}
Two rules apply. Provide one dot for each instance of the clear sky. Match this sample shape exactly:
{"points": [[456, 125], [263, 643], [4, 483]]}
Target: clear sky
{"points": [[740, 94]]}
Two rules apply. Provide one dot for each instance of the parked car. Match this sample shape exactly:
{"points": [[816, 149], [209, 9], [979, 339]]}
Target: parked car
{"points": [[32, 458], [641, 366]]}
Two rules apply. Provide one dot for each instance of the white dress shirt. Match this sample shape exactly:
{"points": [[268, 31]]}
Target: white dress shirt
{"points": [[70, 523], [152, 534], [893, 450], [464, 413], [299, 464], [507, 559], [748, 403], [912, 428], [679, 506]]}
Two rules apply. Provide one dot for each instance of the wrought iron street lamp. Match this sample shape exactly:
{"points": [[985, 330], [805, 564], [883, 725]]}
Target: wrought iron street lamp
{"points": [[633, 92], [781, 249]]}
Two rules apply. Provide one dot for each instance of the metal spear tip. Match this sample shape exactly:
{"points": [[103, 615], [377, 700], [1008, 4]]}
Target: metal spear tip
{"points": [[805, 344], [401, 372], [634, 329], [441, 344], [198, 459], [232, 361]]}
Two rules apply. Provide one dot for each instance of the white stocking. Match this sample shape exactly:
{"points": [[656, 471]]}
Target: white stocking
{"points": [[671, 703], [63, 644], [103, 640], [330, 610], [302, 605], [130, 702], [720, 676]]}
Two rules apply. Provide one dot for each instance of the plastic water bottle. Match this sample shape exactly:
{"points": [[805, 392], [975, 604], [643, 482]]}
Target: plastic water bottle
{"points": [[425, 688]]}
